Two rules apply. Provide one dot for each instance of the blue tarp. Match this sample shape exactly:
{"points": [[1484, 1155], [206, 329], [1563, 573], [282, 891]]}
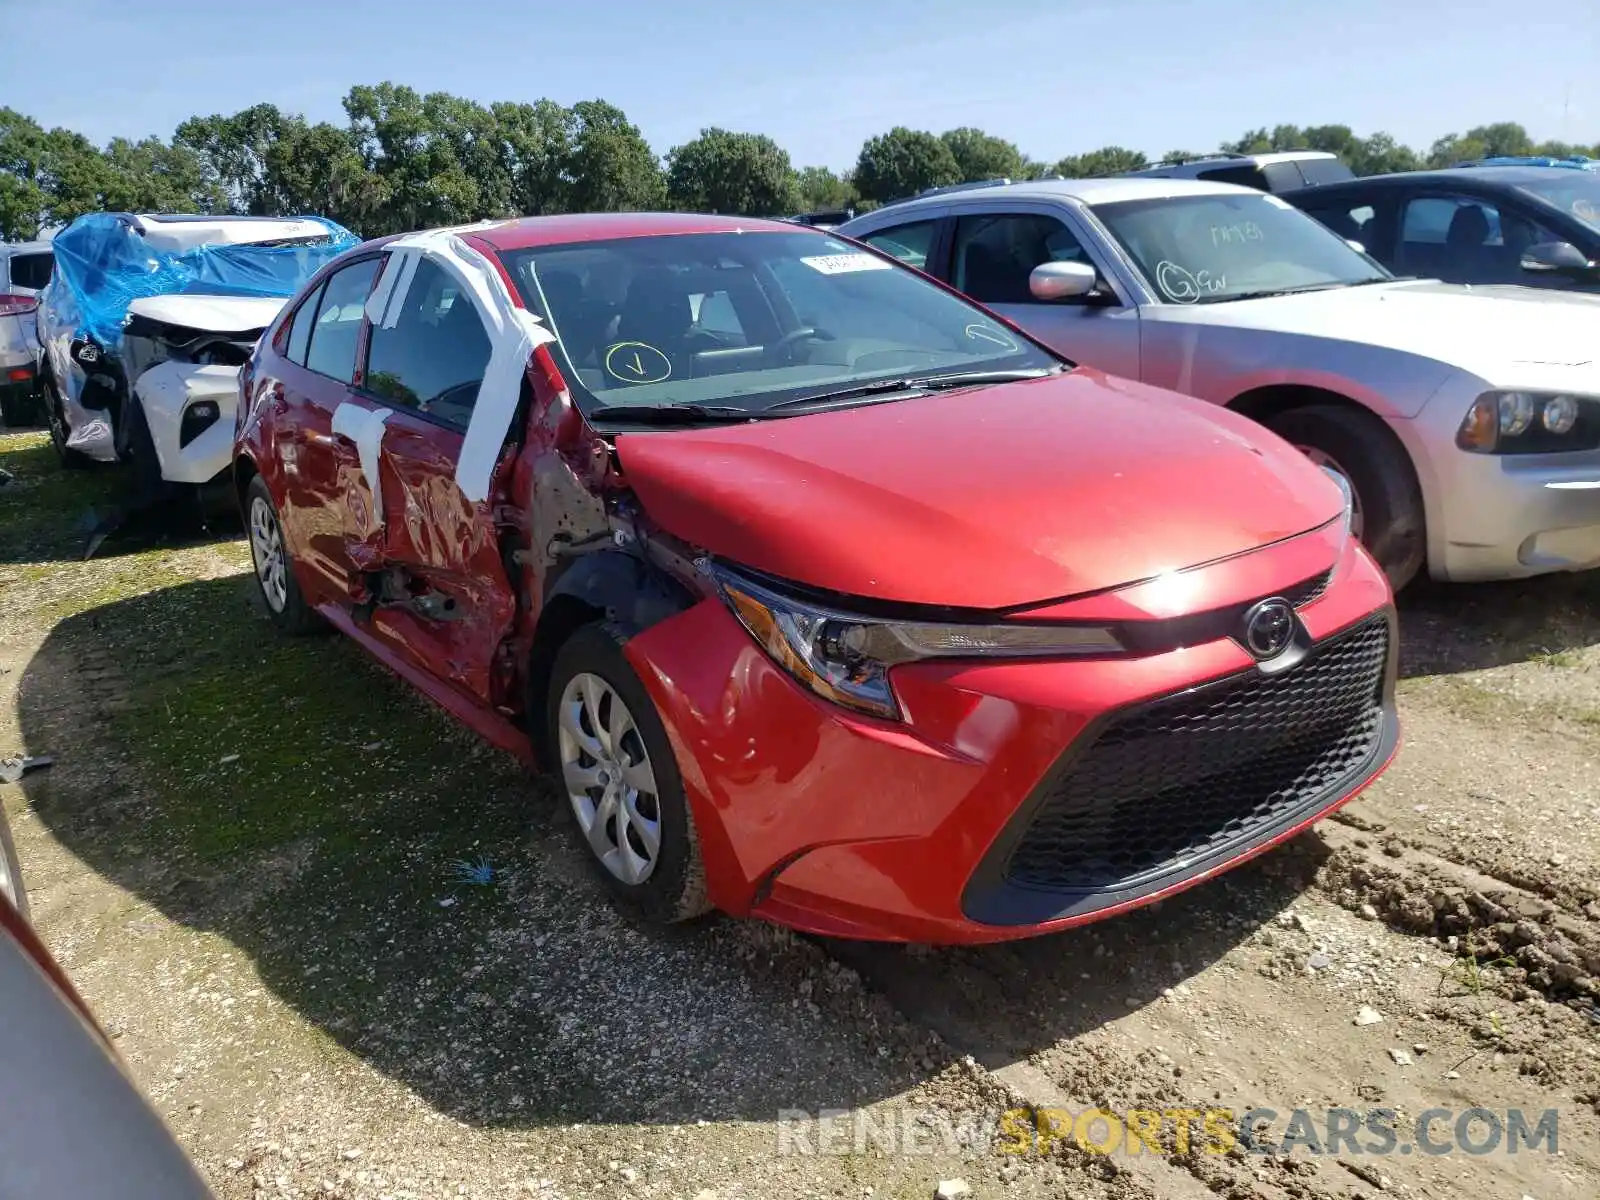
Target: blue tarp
{"points": [[103, 264]]}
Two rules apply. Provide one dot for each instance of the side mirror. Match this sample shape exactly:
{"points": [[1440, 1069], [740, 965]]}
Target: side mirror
{"points": [[1355, 245], [1062, 280], [1559, 257]]}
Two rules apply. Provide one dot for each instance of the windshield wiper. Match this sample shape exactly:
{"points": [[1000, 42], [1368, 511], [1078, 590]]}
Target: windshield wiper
{"points": [[917, 383], [1304, 288], [673, 414]]}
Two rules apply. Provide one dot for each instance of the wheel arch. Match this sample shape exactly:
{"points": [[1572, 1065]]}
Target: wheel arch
{"points": [[623, 589], [1261, 404]]}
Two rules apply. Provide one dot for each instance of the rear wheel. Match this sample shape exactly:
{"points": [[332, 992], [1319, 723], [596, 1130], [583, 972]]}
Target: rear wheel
{"points": [[1388, 501], [616, 768], [16, 408], [274, 569]]}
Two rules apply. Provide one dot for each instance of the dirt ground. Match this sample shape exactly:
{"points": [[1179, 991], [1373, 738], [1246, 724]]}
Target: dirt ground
{"points": [[252, 856]]}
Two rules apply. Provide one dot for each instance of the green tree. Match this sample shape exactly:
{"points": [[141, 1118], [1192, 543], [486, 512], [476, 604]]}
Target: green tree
{"points": [[1108, 160], [980, 155], [233, 152], [610, 166], [535, 146], [902, 163], [725, 172], [423, 180], [820, 188]]}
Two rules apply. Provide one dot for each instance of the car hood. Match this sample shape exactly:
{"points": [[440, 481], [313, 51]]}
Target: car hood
{"points": [[1486, 330], [210, 314], [985, 497]]}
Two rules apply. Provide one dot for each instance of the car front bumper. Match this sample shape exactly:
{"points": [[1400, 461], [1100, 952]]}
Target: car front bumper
{"points": [[1018, 798], [1511, 516]]}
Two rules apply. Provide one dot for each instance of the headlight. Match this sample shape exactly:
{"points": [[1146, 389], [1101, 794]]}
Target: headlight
{"points": [[846, 659], [1349, 498], [1530, 423]]}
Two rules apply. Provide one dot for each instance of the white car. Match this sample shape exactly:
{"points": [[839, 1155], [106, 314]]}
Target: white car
{"points": [[1466, 419], [24, 269], [146, 325]]}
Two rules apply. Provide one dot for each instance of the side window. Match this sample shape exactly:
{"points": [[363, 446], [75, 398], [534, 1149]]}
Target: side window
{"points": [[994, 255], [1464, 239], [32, 271], [911, 244], [433, 358], [300, 328], [1348, 221], [337, 329]]}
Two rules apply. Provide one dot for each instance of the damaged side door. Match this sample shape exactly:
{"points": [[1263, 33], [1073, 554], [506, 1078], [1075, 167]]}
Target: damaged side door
{"points": [[434, 586]]}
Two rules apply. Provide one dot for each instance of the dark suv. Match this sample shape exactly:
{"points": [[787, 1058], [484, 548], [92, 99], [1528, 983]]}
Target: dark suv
{"points": [[1492, 222]]}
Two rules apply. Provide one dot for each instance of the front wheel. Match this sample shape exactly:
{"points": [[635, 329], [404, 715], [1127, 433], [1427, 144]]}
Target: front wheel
{"points": [[615, 766], [274, 569], [1388, 500], [55, 415]]}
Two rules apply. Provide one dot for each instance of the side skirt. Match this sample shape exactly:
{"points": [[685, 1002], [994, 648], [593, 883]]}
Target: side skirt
{"points": [[491, 726]]}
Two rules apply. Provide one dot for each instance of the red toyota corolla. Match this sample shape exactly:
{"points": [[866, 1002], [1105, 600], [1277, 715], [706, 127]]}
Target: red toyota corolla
{"points": [[825, 595]]}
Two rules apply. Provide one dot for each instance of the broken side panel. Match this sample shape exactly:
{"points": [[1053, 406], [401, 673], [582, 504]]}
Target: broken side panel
{"points": [[435, 585]]}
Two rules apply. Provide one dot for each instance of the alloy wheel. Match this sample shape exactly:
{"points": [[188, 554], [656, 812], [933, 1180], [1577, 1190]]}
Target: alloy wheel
{"points": [[266, 548], [610, 782]]}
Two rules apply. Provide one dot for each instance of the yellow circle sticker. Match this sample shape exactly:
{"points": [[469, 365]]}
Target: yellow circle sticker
{"points": [[637, 362]]}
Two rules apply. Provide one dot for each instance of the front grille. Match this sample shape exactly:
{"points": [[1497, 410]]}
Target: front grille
{"points": [[1302, 594], [1185, 778]]}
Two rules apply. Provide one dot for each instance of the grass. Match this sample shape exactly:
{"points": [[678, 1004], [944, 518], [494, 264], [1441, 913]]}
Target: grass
{"points": [[288, 795]]}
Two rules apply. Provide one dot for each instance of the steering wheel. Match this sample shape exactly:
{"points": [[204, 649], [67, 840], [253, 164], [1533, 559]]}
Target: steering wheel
{"points": [[784, 346]]}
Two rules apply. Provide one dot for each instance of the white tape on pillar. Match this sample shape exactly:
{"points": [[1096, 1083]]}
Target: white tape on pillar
{"points": [[513, 332]]}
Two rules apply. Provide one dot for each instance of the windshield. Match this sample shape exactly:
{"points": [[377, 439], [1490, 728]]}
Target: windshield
{"points": [[749, 320], [1201, 249], [1575, 192]]}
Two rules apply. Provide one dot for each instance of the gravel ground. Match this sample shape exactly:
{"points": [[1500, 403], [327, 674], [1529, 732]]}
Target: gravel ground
{"points": [[248, 858]]}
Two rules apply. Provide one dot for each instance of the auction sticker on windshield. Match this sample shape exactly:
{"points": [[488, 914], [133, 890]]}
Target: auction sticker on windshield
{"points": [[844, 264]]}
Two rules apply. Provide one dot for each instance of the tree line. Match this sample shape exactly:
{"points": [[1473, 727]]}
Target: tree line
{"points": [[404, 160]]}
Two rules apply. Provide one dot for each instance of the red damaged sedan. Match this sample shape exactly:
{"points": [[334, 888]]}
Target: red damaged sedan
{"points": [[825, 595]]}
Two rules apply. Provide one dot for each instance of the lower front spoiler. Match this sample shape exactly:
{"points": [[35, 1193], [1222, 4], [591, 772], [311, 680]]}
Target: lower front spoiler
{"points": [[809, 912]]}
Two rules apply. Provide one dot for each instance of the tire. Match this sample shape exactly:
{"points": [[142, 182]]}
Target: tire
{"points": [[56, 419], [1389, 499], [673, 887], [142, 455], [17, 411], [285, 604]]}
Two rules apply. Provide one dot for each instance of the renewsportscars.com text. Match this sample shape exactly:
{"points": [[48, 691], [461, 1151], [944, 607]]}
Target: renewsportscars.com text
{"points": [[1334, 1131]]}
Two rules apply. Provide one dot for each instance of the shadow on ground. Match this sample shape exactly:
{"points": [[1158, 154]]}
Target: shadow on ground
{"points": [[296, 800], [1449, 628], [50, 514]]}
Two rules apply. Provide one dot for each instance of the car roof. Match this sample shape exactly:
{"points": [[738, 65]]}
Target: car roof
{"points": [[525, 232], [1088, 191], [10, 248], [1509, 176]]}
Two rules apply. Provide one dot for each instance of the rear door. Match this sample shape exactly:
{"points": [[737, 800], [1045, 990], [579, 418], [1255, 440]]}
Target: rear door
{"points": [[993, 251], [319, 353], [435, 585]]}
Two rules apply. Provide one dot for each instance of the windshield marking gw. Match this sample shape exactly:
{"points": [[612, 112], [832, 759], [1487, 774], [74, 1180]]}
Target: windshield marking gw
{"points": [[729, 326], [1215, 247]]}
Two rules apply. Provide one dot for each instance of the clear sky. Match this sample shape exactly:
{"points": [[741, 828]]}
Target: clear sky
{"points": [[1055, 76]]}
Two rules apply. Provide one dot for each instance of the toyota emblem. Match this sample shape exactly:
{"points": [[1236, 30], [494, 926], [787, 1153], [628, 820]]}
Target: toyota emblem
{"points": [[1269, 628]]}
